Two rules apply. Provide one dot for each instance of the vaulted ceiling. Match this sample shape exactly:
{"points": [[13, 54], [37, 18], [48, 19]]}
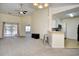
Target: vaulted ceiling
{"points": [[13, 8]]}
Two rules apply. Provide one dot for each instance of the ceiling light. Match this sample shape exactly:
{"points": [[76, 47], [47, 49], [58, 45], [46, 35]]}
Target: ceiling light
{"points": [[45, 5], [35, 4], [71, 15], [40, 6]]}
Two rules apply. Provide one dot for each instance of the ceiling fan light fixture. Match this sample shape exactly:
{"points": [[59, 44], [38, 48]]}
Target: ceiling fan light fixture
{"points": [[21, 12]]}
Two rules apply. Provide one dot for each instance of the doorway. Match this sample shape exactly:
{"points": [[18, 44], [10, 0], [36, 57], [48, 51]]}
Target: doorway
{"points": [[28, 31]]}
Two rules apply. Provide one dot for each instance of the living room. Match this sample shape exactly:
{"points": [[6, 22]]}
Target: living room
{"points": [[18, 20]]}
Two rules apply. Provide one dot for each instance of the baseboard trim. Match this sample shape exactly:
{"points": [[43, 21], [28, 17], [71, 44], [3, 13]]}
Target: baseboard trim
{"points": [[71, 39], [1, 38], [21, 36]]}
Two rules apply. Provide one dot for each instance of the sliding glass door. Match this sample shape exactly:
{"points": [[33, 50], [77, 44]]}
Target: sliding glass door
{"points": [[10, 30]]}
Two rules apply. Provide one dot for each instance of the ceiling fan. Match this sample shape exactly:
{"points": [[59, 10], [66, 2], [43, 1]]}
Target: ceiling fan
{"points": [[21, 11]]}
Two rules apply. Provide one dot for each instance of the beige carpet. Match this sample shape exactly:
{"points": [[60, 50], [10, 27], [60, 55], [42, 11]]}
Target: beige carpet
{"points": [[31, 47]]}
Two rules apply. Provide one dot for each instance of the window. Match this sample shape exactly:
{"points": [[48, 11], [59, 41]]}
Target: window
{"points": [[28, 28]]}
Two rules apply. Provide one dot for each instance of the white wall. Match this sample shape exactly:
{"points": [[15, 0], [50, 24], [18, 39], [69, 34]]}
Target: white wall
{"points": [[72, 24], [56, 10], [40, 22]]}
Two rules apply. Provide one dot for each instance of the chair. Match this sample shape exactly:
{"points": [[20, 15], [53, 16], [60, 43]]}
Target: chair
{"points": [[45, 38]]}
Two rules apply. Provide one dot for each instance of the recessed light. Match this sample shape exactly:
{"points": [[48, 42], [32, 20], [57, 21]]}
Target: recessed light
{"points": [[71, 15], [40, 6], [35, 4], [45, 5]]}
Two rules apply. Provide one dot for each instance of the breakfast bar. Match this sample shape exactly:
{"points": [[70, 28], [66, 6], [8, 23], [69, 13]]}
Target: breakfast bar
{"points": [[56, 39]]}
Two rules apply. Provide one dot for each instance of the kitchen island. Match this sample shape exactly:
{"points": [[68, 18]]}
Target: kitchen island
{"points": [[56, 39]]}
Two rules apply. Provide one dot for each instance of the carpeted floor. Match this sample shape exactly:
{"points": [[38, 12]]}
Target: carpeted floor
{"points": [[32, 47]]}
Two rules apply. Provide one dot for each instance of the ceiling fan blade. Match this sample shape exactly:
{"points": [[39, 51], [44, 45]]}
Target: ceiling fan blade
{"points": [[24, 12]]}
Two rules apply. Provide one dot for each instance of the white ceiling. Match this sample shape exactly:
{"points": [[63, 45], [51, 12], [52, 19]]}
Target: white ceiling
{"points": [[13, 8], [64, 14], [62, 4]]}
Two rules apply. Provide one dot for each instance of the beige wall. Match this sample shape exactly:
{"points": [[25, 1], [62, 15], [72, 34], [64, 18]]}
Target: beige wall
{"points": [[22, 21], [1, 29], [7, 18], [27, 20], [40, 22]]}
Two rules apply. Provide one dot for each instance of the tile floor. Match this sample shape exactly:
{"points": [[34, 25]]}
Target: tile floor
{"points": [[71, 43], [32, 47]]}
